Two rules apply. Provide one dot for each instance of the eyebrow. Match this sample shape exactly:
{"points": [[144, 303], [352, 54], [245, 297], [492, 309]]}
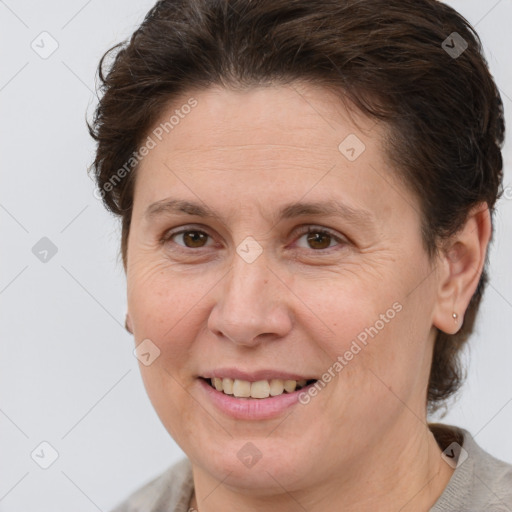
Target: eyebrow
{"points": [[291, 210]]}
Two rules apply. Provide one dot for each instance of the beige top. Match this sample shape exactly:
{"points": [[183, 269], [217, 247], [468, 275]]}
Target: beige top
{"points": [[479, 483]]}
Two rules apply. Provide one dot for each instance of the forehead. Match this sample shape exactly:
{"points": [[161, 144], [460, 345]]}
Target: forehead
{"points": [[266, 145], [265, 115]]}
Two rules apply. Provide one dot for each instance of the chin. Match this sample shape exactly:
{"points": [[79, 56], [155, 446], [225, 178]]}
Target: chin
{"points": [[257, 465]]}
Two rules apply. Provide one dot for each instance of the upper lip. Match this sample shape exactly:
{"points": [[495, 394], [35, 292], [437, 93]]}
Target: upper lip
{"points": [[253, 376]]}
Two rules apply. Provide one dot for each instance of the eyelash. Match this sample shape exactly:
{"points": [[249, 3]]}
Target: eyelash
{"points": [[310, 229]]}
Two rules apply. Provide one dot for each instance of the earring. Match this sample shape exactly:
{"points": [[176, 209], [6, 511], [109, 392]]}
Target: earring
{"points": [[454, 315]]}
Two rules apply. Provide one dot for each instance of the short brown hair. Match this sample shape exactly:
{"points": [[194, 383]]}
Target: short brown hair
{"points": [[404, 62]]}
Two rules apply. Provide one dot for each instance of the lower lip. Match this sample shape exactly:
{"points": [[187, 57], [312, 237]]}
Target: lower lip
{"points": [[251, 408]]}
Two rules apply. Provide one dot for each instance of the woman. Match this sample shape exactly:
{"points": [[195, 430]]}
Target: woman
{"points": [[306, 191]]}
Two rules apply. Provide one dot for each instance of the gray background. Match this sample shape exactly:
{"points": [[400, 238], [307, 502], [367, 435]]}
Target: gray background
{"points": [[67, 372]]}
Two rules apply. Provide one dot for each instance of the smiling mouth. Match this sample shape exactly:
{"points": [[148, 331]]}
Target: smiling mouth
{"points": [[260, 389]]}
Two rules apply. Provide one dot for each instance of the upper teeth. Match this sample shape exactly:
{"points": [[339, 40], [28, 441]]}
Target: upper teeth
{"points": [[258, 389]]}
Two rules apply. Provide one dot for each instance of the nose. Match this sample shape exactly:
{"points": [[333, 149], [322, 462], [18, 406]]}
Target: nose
{"points": [[252, 304]]}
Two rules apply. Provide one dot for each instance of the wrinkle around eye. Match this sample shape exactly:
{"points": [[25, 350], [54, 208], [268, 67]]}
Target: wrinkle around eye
{"points": [[339, 240]]}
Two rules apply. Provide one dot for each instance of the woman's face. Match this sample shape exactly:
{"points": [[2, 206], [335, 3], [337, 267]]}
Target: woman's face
{"points": [[235, 287]]}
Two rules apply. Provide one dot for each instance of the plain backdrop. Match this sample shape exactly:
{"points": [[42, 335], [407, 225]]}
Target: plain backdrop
{"points": [[67, 373]]}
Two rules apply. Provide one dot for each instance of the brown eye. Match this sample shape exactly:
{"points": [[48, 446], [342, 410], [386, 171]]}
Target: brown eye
{"points": [[194, 239], [191, 239], [319, 239]]}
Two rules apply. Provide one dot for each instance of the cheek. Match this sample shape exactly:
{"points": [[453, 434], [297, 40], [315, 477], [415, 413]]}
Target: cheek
{"points": [[343, 305], [164, 309], [167, 391], [165, 306], [375, 325]]}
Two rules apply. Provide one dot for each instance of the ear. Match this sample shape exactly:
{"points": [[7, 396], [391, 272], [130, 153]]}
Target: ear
{"points": [[128, 324], [460, 264]]}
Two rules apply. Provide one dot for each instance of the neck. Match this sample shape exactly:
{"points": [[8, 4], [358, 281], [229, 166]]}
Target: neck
{"points": [[407, 476]]}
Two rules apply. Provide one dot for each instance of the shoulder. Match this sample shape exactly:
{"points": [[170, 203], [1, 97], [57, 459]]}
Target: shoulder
{"points": [[480, 481], [168, 492]]}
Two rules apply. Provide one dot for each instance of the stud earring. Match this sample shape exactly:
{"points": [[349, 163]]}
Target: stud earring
{"points": [[454, 315]]}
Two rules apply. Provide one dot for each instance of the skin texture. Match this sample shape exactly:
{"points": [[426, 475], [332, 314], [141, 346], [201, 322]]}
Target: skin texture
{"points": [[362, 441]]}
